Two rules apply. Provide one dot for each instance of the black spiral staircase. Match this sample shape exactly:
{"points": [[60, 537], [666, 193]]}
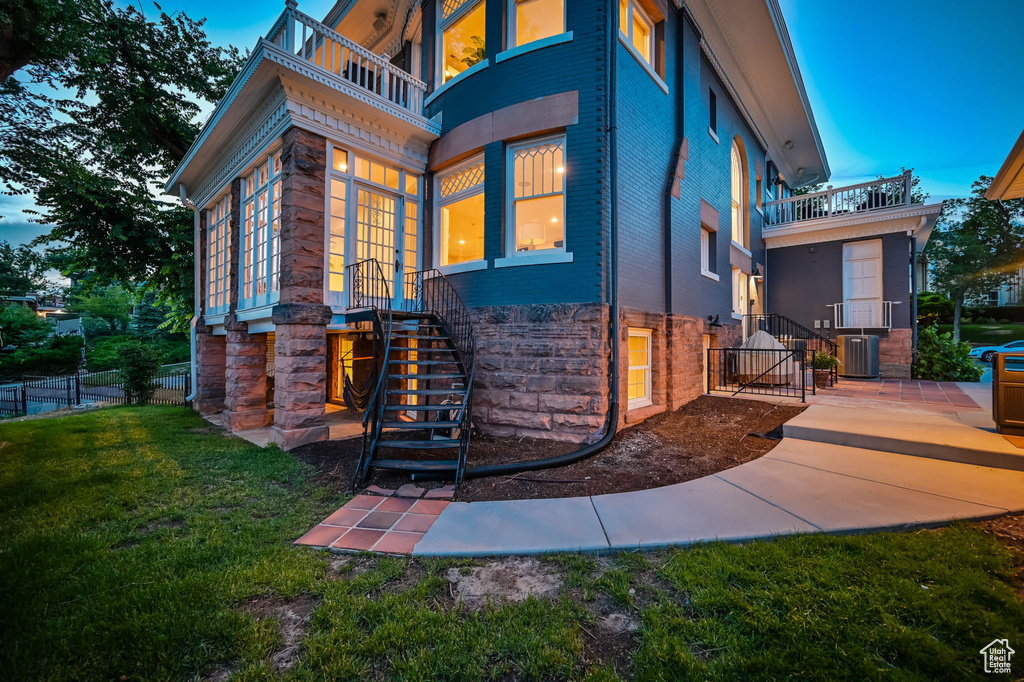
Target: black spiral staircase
{"points": [[419, 417]]}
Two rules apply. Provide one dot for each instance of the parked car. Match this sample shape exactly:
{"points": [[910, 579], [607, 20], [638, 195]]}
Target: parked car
{"points": [[986, 353]]}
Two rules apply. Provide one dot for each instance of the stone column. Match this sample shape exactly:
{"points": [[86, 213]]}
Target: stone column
{"points": [[246, 375], [301, 318], [211, 365]]}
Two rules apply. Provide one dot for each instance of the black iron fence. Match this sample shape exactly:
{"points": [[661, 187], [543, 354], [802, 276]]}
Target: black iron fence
{"points": [[794, 336], [39, 393], [784, 373]]}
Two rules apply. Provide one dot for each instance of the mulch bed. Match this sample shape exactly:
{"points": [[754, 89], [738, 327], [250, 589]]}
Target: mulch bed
{"points": [[705, 436]]}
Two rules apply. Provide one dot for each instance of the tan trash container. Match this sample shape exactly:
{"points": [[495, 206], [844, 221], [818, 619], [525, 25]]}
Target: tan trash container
{"points": [[1008, 392]]}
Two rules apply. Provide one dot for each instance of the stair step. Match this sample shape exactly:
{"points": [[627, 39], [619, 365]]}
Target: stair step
{"points": [[406, 426], [417, 465], [428, 391], [439, 444], [427, 377], [422, 408], [399, 361], [422, 349]]}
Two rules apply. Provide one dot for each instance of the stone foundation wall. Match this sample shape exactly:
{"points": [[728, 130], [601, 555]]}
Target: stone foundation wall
{"points": [[896, 353], [245, 378], [211, 365], [542, 371]]}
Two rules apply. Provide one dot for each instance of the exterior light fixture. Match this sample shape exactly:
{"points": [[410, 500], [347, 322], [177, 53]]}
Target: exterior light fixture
{"points": [[788, 144], [560, 169], [713, 321]]}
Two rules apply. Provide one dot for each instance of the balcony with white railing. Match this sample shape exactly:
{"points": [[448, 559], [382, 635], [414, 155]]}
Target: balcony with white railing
{"points": [[863, 315], [867, 197], [346, 62]]}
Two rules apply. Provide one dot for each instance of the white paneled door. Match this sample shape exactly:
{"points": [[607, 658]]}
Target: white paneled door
{"points": [[862, 283]]}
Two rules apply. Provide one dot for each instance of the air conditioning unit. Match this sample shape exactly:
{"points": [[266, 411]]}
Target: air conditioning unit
{"points": [[859, 356]]}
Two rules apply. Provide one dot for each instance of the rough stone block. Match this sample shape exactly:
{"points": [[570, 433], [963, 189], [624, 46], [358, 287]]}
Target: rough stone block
{"points": [[288, 438]]}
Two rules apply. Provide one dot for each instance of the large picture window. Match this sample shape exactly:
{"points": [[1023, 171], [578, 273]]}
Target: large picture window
{"points": [[740, 195], [261, 215], [462, 31], [536, 20], [461, 214], [218, 248], [537, 196], [337, 228]]}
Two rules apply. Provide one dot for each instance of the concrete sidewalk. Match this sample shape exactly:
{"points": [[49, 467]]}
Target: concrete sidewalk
{"points": [[804, 485]]}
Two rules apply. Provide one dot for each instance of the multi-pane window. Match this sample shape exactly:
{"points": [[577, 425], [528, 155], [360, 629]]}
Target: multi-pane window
{"points": [[639, 384], [536, 19], [638, 28], [537, 196], [708, 252], [337, 229], [261, 216], [218, 247], [461, 214], [739, 196], [462, 29]]}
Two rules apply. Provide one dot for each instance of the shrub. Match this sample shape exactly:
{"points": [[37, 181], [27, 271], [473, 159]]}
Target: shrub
{"points": [[59, 355], [1003, 320], [103, 354], [137, 366], [822, 360], [21, 327], [941, 358], [934, 307]]}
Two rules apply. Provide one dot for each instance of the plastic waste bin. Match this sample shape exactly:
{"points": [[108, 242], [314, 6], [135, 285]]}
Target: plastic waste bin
{"points": [[1008, 392]]}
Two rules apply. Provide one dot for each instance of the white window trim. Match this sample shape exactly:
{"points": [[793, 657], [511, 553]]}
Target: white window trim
{"points": [[224, 281], [512, 14], [439, 203], [479, 66], [533, 45], [706, 257], [269, 297], [627, 40], [714, 135], [647, 399], [742, 248], [441, 25], [554, 255]]}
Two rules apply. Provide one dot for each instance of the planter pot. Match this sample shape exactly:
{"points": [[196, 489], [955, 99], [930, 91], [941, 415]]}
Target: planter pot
{"points": [[822, 377]]}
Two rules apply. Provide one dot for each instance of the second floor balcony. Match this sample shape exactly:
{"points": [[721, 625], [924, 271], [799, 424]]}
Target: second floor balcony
{"points": [[867, 197]]}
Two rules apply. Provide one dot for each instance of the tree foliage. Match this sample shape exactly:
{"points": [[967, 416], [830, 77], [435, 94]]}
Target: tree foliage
{"points": [[21, 270], [940, 357], [104, 106], [977, 246], [21, 327], [104, 311], [138, 365]]}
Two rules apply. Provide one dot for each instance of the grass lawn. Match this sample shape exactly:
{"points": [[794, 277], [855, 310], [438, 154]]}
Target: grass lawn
{"points": [[987, 334], [138, 544]]}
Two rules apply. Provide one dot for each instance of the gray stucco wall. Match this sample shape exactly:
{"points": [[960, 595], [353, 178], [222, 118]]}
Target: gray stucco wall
{"points": [[802, 281]]}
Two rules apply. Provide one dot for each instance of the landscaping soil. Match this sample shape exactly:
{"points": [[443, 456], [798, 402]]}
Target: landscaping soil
{"points": [[705, 436]]}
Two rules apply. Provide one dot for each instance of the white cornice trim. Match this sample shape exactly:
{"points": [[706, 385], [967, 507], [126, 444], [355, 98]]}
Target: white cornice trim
{"points": [[908, 220]]}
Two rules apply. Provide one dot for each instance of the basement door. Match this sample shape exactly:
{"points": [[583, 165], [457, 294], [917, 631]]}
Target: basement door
{"points": [[862, 284]]}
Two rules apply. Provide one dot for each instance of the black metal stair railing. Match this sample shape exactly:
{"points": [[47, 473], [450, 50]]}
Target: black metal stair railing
{"points": [[430, 293], [788, 330], [369, 288]]}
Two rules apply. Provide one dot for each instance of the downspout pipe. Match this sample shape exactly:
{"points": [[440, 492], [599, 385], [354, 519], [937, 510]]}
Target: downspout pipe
{"points": [[612, 423], [195, 291], [913, 299]]}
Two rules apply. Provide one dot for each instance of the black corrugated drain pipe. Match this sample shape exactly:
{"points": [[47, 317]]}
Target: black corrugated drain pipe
{"points": [[612, 425]]}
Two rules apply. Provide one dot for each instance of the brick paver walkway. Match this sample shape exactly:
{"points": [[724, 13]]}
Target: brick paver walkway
{"points": [[926, 392]]}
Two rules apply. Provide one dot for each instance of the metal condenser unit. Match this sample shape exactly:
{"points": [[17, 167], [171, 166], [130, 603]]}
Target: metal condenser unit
{"points": [[858, 356]]}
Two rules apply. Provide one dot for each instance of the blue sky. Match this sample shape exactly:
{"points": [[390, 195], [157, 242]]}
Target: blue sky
{"points": [[933, 85]]}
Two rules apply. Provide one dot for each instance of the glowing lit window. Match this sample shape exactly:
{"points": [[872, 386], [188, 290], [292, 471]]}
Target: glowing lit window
{"points": [[462, 29], [638, 28], [740, 200], [261, 216], [639, 381], [336, 242], [537, 211], [461, 214], [218, 248], [536, 19]]}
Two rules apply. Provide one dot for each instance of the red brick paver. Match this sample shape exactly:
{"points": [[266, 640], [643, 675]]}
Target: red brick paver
{"points": [[391, 525], [929, 393]]}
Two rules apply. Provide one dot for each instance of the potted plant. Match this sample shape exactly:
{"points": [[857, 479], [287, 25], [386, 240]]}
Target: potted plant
{"points": [[823, 365]]}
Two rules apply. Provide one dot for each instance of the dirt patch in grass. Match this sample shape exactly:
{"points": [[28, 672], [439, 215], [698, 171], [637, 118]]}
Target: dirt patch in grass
{"points": [[705, 436], [292, 616], [508, 579]]}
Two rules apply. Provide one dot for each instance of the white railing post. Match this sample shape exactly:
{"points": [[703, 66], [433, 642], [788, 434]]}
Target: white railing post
{"points": [[908, 181], [830, 196], [289, 26]]}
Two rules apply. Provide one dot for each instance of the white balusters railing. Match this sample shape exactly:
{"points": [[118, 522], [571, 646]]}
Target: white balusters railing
{"points": [[302, 36], [863, 315], [867, 196]]}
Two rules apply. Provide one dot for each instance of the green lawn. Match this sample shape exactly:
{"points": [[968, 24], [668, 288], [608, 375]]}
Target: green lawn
{"points": [[136, 548], [987, 334]]}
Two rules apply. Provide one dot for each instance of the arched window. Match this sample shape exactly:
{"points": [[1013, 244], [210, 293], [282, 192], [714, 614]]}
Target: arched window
{"points": [[740, 195]]}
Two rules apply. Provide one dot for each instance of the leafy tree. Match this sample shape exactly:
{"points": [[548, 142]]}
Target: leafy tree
{"points": [[976, 246], [106, 311], [59, 355], [21, 327], [138, 365], [151, 317], [21, 270], [933, 308], [104, 106]]}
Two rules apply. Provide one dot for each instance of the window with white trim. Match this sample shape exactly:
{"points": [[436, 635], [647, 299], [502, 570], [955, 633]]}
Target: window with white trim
{"points": [[740, 292], [637, 27], [536, 198], [261, 246], [337, 227], [535, 20], [460, 192], [639, 382], [462, 34], [740, 199], [218, 248], [708, 252]]}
